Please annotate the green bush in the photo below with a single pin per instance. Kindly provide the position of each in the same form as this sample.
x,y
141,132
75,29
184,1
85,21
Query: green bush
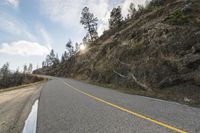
x,y
178,17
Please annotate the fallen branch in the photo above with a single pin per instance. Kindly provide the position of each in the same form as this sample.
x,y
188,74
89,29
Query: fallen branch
x,y
123,63
121,75
139,83
134,78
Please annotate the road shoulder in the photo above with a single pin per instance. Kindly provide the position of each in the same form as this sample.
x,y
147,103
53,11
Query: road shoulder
x,y
15,106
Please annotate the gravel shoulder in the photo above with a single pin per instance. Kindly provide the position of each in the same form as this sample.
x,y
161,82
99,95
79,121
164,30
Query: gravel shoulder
x,y
15,106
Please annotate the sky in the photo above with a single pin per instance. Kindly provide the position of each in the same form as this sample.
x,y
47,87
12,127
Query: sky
x,y
29,29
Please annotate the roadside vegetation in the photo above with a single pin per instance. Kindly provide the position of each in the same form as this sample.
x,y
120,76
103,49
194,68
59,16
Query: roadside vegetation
x,y
154,49
11,79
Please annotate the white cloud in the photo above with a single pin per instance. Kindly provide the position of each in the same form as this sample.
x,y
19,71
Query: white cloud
x,y
15,27
65,12
46,37
104,25
100,8
14,3
126,3
68,12
20,31
23,48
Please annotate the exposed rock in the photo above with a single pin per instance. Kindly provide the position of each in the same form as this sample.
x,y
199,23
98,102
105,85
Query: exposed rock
x,y
196,48
186,99
191,61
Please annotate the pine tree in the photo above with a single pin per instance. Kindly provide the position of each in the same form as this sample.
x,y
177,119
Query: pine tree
x,y
115,18
62,58
132,11
43,64
66,56
141,8
90,23
50,58
5,75
30,68
77,46
25,69
86,40
70,48
56,61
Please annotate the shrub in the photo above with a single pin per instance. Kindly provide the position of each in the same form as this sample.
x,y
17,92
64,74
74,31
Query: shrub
x,y
187,7
178,17
154,3
15,79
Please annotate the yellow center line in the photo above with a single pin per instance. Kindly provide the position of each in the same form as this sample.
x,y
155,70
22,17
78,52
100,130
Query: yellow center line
x,y
129,111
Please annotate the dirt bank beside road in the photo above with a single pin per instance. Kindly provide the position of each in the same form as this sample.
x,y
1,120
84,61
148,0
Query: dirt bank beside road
x,y
15,106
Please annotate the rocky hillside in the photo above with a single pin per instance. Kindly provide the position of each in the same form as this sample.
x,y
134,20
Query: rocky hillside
x,y
158,50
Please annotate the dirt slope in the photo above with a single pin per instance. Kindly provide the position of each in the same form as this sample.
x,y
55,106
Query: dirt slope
x,y
15,106
156,51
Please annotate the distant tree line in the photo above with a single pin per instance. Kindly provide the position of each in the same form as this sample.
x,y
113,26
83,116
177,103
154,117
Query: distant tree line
x,y
10,79
52,59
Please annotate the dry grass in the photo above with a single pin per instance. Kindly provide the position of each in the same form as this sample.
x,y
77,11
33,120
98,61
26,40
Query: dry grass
x,y
170,94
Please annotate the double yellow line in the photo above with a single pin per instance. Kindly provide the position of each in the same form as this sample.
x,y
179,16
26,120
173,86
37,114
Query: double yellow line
x,y
128,111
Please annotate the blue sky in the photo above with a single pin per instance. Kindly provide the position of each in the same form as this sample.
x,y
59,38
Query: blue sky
x,y
29,29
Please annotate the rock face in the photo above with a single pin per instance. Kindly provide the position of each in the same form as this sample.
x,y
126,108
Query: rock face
x,y
156,50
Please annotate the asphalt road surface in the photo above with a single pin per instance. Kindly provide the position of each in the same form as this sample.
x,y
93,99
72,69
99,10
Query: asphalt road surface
x,y
70,106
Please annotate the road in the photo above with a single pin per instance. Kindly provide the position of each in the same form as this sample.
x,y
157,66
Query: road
x,y
70,106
